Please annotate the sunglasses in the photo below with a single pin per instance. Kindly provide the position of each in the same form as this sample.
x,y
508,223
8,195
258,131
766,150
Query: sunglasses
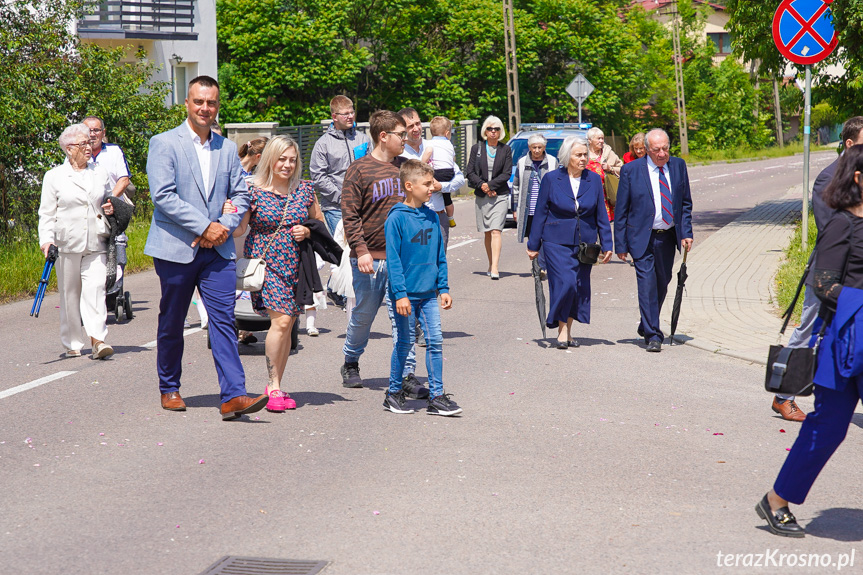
x,y
492,129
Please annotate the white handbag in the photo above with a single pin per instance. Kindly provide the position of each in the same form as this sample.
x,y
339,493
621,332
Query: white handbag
x,y
250,274
251,271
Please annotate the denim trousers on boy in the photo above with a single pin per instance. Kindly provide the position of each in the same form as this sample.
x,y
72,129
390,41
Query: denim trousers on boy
x,y
428,314
370,290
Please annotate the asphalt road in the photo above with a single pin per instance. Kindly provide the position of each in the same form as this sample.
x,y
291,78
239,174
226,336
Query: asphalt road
x,y
601,459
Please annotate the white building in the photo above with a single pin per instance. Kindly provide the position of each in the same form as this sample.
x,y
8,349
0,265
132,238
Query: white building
x,y
179,36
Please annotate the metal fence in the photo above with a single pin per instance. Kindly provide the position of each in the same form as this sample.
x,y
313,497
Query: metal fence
x,y
307,135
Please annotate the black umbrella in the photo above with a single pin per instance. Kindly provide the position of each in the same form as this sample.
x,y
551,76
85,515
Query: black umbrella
x,y
540,293
43,281
118,222
678,296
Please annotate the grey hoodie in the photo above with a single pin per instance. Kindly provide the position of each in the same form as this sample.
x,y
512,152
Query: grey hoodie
x,y
331,156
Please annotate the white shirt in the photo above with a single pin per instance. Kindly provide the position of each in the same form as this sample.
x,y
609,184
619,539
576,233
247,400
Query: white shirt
x,y
653,171
450,187
575,183
443,153
113,161
204,152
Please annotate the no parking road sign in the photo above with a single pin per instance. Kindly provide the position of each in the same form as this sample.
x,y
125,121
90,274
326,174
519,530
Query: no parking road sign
x,y
803,30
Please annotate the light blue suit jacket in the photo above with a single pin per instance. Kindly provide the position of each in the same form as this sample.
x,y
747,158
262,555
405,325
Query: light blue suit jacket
x,y
182,208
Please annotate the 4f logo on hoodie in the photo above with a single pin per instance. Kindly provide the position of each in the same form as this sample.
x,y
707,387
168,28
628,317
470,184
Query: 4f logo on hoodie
x,y
422,237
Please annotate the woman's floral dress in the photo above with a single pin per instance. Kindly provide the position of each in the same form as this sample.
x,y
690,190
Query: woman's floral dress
x,y
283,256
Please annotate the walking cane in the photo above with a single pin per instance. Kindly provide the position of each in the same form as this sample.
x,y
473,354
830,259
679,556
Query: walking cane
x,y
43,283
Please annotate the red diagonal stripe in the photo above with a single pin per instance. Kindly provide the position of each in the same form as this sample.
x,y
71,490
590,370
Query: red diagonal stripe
x,y
664,197
806,26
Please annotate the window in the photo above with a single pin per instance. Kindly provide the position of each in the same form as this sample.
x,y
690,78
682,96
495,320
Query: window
x,y
722,41
180,84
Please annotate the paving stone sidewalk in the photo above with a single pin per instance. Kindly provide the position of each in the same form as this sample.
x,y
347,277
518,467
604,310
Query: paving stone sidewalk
x,y
729,299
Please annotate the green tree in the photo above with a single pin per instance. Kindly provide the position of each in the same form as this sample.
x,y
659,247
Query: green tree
x,y
48,80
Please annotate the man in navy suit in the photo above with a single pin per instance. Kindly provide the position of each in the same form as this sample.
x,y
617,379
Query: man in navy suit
x,y
192,171
653,216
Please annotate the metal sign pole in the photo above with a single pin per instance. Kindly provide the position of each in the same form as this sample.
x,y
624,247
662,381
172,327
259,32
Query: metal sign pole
x,y
807,105
579,111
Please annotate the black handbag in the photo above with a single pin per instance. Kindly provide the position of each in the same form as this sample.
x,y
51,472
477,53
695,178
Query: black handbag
x,y
790,370
588,253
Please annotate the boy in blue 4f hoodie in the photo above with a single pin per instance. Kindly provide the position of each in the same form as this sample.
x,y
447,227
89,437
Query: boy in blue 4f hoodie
x,y
416,261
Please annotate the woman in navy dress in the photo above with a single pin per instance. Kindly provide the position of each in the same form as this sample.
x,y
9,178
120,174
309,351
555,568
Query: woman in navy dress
x,y
280,203
570,210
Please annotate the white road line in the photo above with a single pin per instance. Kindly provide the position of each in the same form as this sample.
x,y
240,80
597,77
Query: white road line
x,y
772,167
190,331
464,243
693,181
714,177
745,172
35,383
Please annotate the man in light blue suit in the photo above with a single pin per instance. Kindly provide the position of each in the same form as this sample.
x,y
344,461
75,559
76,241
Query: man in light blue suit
x,y
653,216
192,171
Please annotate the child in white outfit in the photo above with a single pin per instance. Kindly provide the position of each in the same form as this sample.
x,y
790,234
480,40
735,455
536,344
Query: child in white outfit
x,y
443,158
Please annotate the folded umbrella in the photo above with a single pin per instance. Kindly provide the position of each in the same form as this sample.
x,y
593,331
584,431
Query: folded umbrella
x,y
678,296
539,292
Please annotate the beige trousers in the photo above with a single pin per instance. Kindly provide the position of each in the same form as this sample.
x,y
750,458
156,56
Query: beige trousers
x,y
81,282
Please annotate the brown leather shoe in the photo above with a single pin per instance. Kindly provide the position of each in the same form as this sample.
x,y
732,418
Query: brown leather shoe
x,y
241,405
788,410
173,402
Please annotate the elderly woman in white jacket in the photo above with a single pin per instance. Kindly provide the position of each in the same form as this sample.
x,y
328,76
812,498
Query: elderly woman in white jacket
x,y
72,217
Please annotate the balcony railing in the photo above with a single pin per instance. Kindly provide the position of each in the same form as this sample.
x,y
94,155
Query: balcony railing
x,y
153,19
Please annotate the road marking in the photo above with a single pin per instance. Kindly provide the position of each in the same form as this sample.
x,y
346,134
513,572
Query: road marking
x,y
714,177
795,164
745,172
772,167
693,181
464,243
35,383
190,331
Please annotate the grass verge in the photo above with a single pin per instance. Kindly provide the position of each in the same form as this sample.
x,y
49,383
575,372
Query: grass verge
x,y
748,154
21,263
792,268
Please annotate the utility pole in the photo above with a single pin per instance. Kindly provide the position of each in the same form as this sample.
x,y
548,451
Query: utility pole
x,y
512,99
678,80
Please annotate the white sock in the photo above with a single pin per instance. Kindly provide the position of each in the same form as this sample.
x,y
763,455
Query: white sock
x,y
311,314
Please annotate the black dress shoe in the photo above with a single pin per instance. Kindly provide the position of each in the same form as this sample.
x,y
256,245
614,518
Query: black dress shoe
x,y
562,345
782,522
655,345
573,343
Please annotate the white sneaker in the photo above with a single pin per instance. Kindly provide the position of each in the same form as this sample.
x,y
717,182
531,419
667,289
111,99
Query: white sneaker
x,y
312,331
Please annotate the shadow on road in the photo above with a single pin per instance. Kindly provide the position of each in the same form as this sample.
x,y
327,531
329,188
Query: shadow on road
x,y
317,398
711,221
838,523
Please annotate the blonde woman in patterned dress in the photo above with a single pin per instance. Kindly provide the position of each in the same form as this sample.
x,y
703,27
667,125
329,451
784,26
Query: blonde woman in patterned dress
x,y
280,202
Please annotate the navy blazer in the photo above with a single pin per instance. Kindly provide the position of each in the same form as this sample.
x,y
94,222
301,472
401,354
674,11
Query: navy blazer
x,y
554,219
635,210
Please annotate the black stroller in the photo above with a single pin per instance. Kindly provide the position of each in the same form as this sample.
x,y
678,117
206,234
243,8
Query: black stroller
x,y
117,299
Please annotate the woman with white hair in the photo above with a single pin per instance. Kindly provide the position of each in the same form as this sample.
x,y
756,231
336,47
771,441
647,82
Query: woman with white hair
x,y
602,160
72,217
280,203
488,170
569,211
529,171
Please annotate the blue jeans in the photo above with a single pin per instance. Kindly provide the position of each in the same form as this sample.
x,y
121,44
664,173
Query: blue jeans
x,y
370,290
331,218
428,314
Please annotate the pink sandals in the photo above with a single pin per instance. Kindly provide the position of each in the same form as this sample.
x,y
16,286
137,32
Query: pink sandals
x,y
279,400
